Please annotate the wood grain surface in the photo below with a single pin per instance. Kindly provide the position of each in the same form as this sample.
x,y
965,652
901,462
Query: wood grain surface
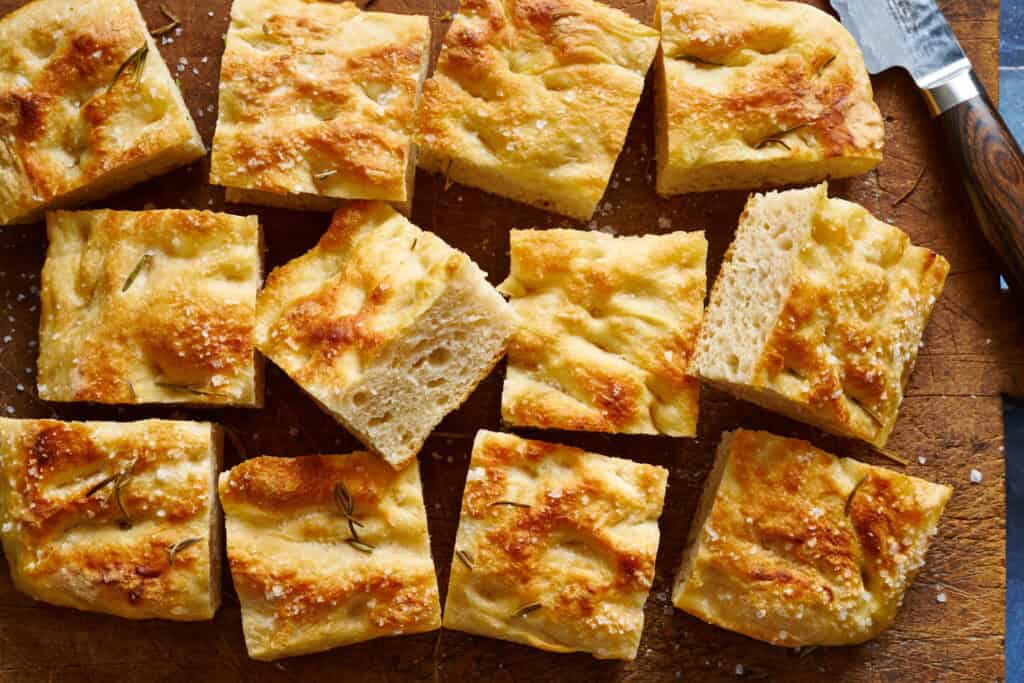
x,y
951,418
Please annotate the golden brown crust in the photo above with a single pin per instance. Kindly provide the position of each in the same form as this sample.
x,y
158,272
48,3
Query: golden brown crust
x,y
573,532
150,307
802,548
303,588
318,99
758,93
76,536
606,330
65,134
532,99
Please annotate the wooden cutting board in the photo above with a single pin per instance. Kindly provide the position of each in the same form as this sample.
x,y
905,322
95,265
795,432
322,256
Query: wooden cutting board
x,y
951,417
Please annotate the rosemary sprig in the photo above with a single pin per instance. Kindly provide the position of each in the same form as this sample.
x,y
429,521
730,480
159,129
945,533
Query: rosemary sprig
x,y
175,548
343,499
509,503
466,558
145,262
132,66
526,609
826,63
190,389
166,28
324,175
361,546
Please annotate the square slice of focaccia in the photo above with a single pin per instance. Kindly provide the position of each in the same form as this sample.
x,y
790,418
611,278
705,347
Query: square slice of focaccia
x,y
317,104
605,330
387,327
532,99
818,312
328,550
756,93
87,106
150,307
555,547
793,546
115,517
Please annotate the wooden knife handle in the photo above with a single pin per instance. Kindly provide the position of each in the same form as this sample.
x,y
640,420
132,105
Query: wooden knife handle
x,y
992,167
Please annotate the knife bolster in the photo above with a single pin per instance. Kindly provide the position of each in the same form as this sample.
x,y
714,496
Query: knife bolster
x,y
950,92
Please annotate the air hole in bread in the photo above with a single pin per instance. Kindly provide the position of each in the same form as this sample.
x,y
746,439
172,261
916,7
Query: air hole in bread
x,y
360,399
378,420
439,356
436,382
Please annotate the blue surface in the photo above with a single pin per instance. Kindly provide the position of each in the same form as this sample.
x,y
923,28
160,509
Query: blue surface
x,y
1011,103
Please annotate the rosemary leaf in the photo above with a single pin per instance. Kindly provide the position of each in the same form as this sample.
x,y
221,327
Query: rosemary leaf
x,y
526,609
414,243
509,503
849,499
145,262
132,66
344,499
805,651
361,546
827,62
447,175
95,488
267,31
447,16
895,457
167,28
175,548
466,558
771,141
906,195
119,483
324,175
191,389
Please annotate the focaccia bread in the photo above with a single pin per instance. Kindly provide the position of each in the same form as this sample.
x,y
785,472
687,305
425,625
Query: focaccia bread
x,y
387,327
87,106
606,328
317,104
307,577
818,312
150,307
758,93
555,547
115,517
793,546
532,99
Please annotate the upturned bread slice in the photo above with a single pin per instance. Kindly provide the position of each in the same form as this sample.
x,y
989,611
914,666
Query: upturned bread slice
x,y
818,312
387,327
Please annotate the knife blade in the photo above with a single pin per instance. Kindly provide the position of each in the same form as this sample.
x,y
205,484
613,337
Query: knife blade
x,y
932,52
915,36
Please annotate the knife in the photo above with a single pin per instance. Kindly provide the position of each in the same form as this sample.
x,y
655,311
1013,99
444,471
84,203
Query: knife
x,y
914,35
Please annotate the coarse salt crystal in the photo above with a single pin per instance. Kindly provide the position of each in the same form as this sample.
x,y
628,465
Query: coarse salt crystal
x,y
975,477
